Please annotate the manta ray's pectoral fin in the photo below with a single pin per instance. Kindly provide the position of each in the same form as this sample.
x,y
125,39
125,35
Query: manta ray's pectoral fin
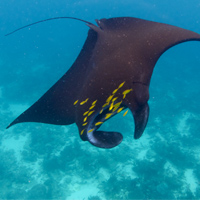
x,y
104,139
140,117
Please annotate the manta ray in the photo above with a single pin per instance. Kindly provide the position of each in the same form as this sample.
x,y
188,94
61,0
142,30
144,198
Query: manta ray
x,y
111,73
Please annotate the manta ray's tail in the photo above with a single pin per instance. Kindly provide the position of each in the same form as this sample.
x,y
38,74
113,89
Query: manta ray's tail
x,y
88,23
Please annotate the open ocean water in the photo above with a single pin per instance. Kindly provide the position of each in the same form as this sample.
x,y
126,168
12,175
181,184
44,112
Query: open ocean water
x,y
40,161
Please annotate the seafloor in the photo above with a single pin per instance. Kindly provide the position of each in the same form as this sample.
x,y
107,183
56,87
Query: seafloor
x,y
39,161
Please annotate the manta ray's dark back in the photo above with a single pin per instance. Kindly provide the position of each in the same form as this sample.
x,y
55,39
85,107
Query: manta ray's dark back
x,y
111,73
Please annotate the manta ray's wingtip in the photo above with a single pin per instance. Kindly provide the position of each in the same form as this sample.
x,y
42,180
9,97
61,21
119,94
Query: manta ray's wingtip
x,y
9,126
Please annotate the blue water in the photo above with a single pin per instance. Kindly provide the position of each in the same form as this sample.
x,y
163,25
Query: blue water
x,y
39,161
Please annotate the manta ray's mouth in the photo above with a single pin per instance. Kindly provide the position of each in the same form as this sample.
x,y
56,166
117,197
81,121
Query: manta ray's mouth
x,y
103,139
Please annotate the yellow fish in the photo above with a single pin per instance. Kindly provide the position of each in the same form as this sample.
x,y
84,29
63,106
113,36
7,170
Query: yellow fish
x,y
109,98
114,91
111,106
75,102
85,113
90,130
84,124
90,113
83,102
120,109
125,113
121,85
85,119
105,105
101,111
108,115
126,92
82,131
91,107
115,108
94,102
117,104
114,99
98,123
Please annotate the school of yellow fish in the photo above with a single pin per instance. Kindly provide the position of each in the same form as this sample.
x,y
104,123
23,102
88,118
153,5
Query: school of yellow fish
x,y
109,102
